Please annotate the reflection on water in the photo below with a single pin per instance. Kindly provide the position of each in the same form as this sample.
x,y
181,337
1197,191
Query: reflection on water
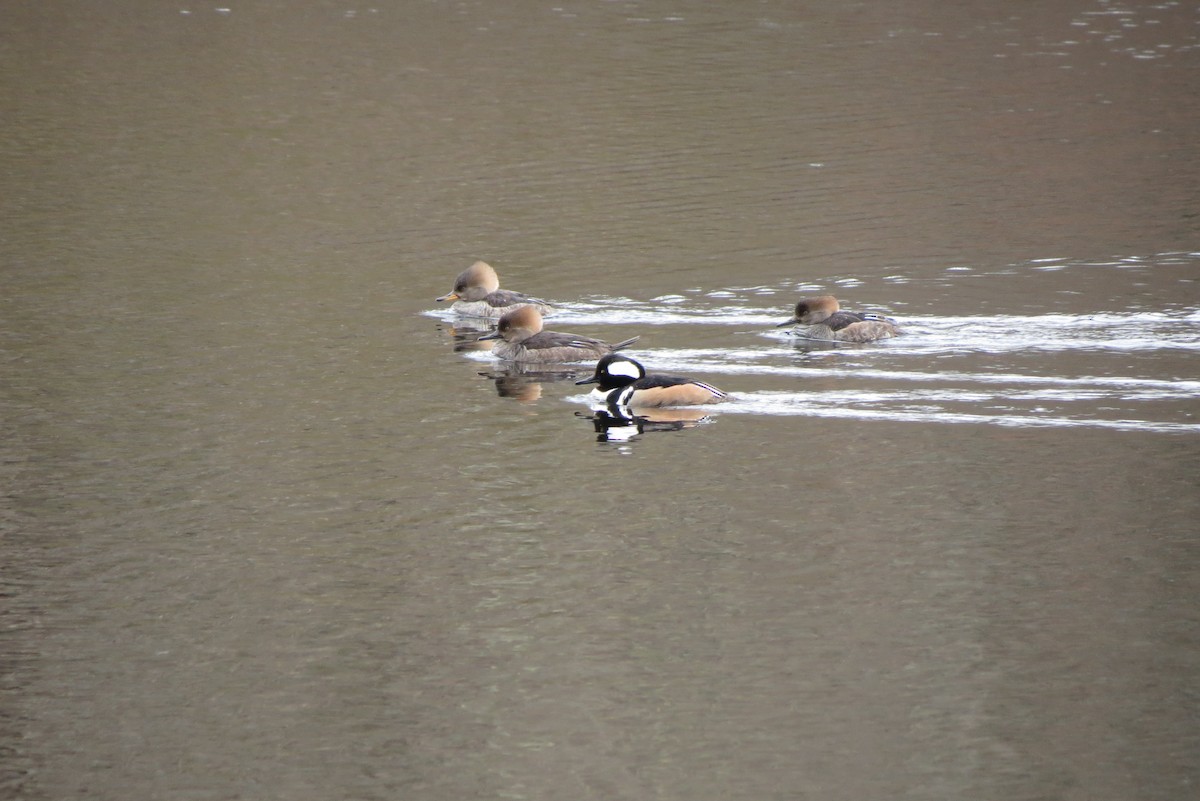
x,y
622,425
524,382
465,336
1137,30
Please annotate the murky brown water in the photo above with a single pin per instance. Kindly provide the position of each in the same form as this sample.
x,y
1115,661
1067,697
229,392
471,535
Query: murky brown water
x,y
269,535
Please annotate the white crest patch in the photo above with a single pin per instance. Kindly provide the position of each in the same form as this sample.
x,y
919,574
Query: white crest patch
x,y
625,368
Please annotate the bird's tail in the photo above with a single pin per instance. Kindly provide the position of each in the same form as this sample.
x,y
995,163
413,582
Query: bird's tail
x,y
625,343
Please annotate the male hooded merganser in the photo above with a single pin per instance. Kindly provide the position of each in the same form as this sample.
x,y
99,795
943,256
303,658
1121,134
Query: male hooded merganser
x,y
523,340
477,293
623,382
822,318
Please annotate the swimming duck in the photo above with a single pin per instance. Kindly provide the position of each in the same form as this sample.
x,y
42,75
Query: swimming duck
x,y
523,340
477,293
624,382
821,317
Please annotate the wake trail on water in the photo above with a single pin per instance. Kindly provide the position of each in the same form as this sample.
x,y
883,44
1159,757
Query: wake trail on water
x,y
872,385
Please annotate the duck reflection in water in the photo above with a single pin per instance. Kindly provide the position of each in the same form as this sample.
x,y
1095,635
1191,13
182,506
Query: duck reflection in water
x,y
617,424
524,382
465,337
821,318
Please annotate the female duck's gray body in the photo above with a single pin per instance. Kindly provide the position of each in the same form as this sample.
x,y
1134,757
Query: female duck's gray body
x,y
822,318
523,340
624,382
477,293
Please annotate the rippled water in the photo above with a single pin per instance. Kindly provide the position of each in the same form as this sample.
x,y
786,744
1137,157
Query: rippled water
x,y
274,527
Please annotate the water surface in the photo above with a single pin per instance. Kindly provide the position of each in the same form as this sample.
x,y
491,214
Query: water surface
x,y
273,528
